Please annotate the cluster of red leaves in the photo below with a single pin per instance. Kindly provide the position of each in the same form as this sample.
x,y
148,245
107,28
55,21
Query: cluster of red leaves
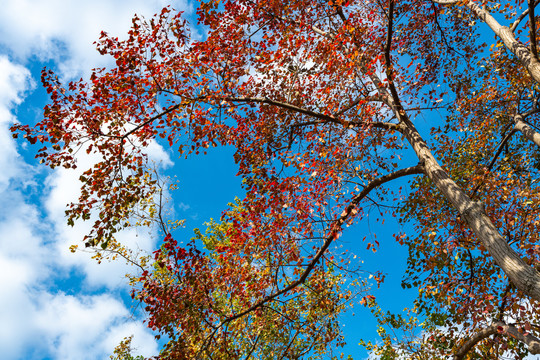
x,y
196,299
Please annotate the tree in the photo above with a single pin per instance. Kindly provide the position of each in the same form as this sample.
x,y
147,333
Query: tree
x,y
320,101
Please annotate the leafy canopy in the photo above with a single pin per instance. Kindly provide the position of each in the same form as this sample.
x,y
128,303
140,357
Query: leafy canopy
x,y
320,101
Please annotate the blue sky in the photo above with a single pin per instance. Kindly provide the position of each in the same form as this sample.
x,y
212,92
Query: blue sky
x,y
59,305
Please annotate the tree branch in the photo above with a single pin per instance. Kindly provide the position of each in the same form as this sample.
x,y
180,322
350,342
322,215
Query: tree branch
x,y
528,60
446,2
521,126
492,162
523,15
395,102
357,101
532,29
525,277
436,19
498,328
325,117
147,122
527,131
388,45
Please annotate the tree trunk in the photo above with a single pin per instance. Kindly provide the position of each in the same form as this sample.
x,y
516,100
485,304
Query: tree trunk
x,y
523,276
519,49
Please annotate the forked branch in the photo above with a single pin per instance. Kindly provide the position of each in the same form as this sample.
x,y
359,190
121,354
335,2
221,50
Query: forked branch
x,y
523,15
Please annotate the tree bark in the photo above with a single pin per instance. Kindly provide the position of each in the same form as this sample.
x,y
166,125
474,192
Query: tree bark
x,y
523,276
498,328
520,50
527,131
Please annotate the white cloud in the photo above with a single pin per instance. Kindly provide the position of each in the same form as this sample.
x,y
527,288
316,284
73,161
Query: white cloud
x,y
64,188
18,244
15,81
81,327
183,207
142,343
158,155
65,30
38,320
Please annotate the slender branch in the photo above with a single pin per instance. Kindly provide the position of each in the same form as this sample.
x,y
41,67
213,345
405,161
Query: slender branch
x,y
152,119
289,345
147,122
278,312
395,102
532,29
325,117
499,150
357,101
436,19
284,105
492,162
520,18
119,253
307,123
160,216
388,45
253,346
471,266
290,21
502,307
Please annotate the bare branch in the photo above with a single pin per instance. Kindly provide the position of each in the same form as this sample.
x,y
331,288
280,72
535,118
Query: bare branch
x,y
520,18
532,29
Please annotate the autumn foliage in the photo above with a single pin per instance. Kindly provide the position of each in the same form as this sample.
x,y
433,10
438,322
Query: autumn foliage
x,y
320,101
